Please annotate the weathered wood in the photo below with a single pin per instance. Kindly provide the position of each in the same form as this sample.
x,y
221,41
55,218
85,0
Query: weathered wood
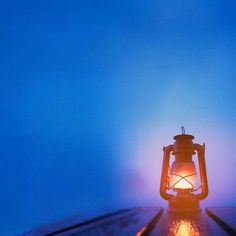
x,y
146,229
71,222
126,223
146,221
225,217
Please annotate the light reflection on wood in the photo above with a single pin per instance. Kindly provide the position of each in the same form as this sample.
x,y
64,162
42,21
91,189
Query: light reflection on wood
x,y
183,228
141,232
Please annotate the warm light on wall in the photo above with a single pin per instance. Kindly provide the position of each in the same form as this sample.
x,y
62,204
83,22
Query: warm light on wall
x,y
180,178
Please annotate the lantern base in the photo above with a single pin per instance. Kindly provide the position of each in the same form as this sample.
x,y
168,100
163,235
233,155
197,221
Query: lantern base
x,y
184,205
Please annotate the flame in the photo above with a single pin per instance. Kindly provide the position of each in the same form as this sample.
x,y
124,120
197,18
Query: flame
x,y
183,181
182,175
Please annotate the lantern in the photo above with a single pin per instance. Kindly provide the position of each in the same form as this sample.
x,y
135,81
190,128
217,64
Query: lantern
x,y
179,181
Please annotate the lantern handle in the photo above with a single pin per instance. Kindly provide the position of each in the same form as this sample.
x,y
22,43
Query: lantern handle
x,y
202,169
164,175
183,130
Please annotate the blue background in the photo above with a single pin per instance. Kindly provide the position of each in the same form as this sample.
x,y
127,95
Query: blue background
x,y
92,90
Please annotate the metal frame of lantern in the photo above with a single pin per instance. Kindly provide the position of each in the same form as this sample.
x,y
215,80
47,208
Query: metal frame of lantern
x,y
183,149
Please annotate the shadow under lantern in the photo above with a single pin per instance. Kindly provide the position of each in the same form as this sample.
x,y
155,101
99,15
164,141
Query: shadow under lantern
x,y
178,182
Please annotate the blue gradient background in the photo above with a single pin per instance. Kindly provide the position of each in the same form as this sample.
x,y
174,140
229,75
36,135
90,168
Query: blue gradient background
x,y
92,90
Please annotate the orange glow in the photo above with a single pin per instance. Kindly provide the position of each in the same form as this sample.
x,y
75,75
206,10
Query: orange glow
x,y
141,232
184,228
182,175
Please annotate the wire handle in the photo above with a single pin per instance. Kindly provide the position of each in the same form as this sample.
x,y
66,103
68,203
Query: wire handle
x,y
183,130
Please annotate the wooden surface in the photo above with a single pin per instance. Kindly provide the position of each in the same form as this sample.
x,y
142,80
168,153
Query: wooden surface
x,y
128,223
125,222
187,225
144,221
224,216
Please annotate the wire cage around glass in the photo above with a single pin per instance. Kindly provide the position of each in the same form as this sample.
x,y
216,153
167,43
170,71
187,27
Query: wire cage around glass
x,y
182,175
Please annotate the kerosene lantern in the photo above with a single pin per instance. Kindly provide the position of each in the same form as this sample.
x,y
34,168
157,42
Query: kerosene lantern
x,y
178,181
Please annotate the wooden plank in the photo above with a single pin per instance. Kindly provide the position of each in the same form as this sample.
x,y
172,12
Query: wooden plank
x,y
124,222
146,229
71,222
128,223
146,221
197,224
225,217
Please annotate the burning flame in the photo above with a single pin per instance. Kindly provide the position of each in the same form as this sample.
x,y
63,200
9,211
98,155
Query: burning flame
x,y
182,175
